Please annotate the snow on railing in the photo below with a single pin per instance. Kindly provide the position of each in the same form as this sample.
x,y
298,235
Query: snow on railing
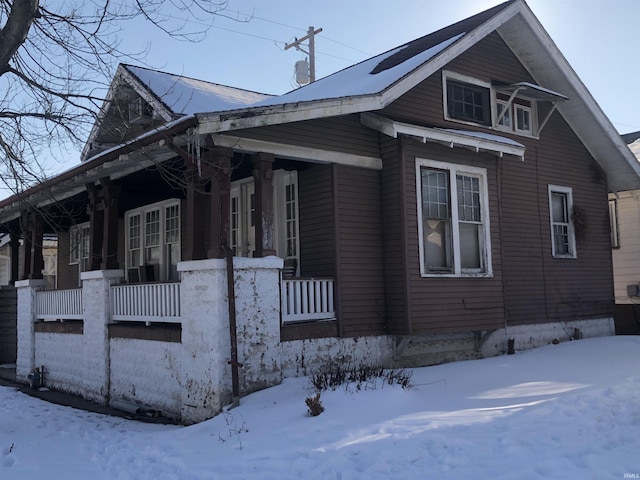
x,y
59,304
306,299
149,302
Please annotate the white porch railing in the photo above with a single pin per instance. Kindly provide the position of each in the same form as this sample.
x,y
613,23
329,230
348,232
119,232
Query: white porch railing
x,y
59,304
151,302
306,299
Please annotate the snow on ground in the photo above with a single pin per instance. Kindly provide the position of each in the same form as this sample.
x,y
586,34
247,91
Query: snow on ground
x,y
563,411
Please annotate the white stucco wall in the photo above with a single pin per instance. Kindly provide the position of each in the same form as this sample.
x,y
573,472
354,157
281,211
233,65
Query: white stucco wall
x,y
62,356
25,359
147,373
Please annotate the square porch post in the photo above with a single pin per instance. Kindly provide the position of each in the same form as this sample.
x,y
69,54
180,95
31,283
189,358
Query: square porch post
x,y
220,161
263,181
111,197
195,214
96,227
27,310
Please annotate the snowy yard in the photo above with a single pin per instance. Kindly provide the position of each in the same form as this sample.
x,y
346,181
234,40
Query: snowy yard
x,y
569,411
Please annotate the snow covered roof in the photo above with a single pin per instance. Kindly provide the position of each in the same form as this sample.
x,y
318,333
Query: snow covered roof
x,y
186,96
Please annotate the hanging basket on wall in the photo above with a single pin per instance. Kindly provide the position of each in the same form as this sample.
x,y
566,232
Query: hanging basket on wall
x,y
580,222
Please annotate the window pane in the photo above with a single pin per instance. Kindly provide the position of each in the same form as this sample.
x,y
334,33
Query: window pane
x,y
435,194
561,239
559,207
468,102
523,119
468,198
470,246
437,234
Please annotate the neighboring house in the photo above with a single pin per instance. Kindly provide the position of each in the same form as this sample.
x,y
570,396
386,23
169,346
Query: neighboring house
x,y
624,211
50,261
425,205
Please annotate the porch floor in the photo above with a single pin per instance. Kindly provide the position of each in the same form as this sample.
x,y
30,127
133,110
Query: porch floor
x,y
8,379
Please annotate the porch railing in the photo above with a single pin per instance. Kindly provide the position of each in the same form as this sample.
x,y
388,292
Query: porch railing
x,y
59,304
306,299
151,302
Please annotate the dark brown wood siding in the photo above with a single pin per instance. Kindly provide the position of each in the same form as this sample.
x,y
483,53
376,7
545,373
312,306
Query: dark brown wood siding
x,y
67,275
360,252
317,220
342,134
394,235
537,287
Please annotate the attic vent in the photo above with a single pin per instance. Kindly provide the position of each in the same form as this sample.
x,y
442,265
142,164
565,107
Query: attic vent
x,y
139,111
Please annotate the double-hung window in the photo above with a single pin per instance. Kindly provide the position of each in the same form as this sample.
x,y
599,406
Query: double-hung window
x,y
453,219
563,240
153,239
79,242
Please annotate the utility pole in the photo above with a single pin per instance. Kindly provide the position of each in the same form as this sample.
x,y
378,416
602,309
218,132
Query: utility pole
x,y
312,50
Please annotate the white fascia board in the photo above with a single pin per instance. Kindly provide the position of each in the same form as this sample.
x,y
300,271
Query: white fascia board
x,y
296,152
286,113
451,138
545,63
443,58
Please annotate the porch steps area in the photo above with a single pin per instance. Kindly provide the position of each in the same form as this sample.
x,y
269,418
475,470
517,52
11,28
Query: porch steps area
x,y
423,350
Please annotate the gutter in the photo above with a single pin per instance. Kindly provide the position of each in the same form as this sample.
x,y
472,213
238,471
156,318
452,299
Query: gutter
x,y
146,139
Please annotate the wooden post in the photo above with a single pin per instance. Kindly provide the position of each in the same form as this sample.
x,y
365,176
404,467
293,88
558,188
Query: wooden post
x,y
220,160
36,239
111,198
96,227
14,245
195,225
263,183
25,221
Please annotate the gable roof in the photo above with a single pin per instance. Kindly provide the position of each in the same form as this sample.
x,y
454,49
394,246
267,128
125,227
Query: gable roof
x,y
185,96
366,87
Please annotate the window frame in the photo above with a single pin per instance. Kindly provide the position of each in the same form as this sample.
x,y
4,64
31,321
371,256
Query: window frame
x,y
453,171
568,194
520,102
472,82
142,212
79,239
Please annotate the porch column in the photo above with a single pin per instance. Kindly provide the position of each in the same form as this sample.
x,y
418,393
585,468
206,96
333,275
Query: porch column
x,y
195,225
263,181
111,197
25,361
14,246
96,309
96,227
33,235
220,159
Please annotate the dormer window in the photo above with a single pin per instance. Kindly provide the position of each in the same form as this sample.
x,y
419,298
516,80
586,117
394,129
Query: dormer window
x,y
468,102
522,108
139,110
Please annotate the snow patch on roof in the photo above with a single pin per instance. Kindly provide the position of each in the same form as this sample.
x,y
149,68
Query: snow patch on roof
x,y
485,136
186,96
358,79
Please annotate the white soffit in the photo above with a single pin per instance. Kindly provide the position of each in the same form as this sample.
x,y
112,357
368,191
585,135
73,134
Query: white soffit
x,y
477,141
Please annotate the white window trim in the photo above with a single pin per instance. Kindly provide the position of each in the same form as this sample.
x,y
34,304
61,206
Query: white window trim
x,y
528,132
493,107
453,170
161,206
446,75
76,252
568,191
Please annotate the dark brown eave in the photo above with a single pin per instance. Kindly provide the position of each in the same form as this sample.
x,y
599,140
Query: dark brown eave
x,y
90,170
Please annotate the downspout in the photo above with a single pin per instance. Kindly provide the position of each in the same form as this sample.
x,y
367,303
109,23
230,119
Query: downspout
x,y
233,334
225,189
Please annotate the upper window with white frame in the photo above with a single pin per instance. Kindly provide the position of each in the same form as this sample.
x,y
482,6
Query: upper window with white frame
x,y
473,101
453,219
153,240
563,239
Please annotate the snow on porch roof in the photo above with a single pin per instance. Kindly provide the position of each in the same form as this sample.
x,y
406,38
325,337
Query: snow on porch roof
x,y
186,96
478,141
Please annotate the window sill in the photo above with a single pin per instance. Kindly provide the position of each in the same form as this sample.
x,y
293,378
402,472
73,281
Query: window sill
x,y
456,275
